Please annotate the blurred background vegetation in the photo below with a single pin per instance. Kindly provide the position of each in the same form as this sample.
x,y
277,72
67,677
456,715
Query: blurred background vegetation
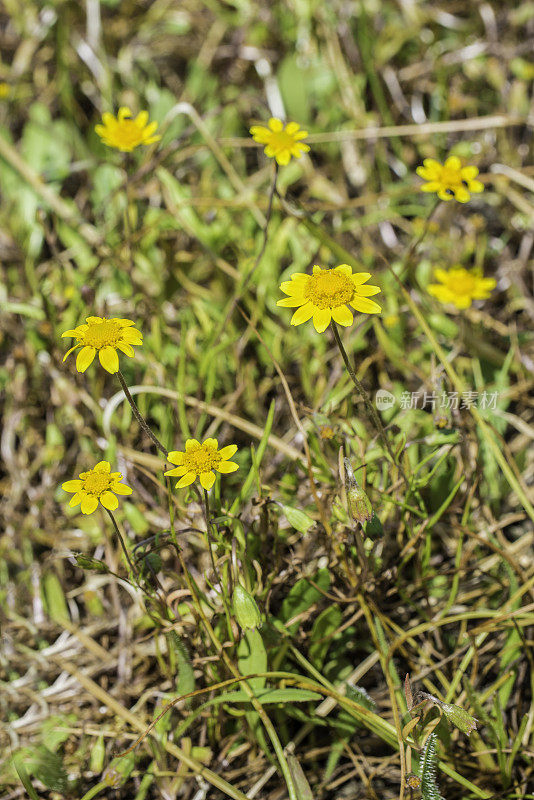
x,y
167,237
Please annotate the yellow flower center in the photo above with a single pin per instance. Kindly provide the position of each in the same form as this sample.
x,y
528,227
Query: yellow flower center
x,y
128,133
281,141
461,283
96,483
450,177
329,289
102,334
201,460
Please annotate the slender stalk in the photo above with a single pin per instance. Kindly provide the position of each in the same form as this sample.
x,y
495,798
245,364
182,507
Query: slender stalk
x,y
268,725
123,544
139,418
99,787
246,280
207,519
370,409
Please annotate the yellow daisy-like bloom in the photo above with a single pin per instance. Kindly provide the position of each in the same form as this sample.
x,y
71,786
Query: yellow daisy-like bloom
x,y
105,336
125,133
460,287
199,461
97,484
326,295
450,180
281,142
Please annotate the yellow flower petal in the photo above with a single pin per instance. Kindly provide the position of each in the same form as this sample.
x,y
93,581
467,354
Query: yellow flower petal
x,y
177,472
365,306
321,319
109,359
303,314
228,451
89,504
289,302
186,480
176,457
85,358
191,445
454,163
360,277
70,351
207,479
72,486
109,501
102,466
211,444
275,124
75,500
343,316
125,348
227,466
121,488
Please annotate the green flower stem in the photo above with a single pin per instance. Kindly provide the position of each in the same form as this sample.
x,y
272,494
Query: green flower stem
x,y
123,544
99,787
139,418
371,413
268,725
407,260
207,519
246,280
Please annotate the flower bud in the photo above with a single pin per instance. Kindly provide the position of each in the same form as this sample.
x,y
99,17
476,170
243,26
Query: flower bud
x,y
245,608
459,717
359,504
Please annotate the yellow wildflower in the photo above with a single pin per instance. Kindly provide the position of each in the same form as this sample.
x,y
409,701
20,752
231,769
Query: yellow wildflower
x,y
4,90
105,336
125,133
450,180
460,287
199,460
281,142
97,484
325,295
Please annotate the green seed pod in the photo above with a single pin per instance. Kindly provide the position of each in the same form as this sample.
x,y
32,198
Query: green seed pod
x,y
359,504
245,608
459,717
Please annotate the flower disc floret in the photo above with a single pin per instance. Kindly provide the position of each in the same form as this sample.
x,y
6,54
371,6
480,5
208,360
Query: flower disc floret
x,y
105,337
450,180
281,141
327,294
460,287
97,485
124,133
199,460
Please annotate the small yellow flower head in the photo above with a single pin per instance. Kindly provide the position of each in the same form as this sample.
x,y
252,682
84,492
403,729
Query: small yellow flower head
x,y
125,133
326,295
460,287
4,90
450,181
98,484
281,142
105,336
199,461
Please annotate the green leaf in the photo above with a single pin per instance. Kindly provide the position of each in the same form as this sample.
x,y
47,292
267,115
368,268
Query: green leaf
x,y
44,765
297,518
302,786
252,657
427,769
